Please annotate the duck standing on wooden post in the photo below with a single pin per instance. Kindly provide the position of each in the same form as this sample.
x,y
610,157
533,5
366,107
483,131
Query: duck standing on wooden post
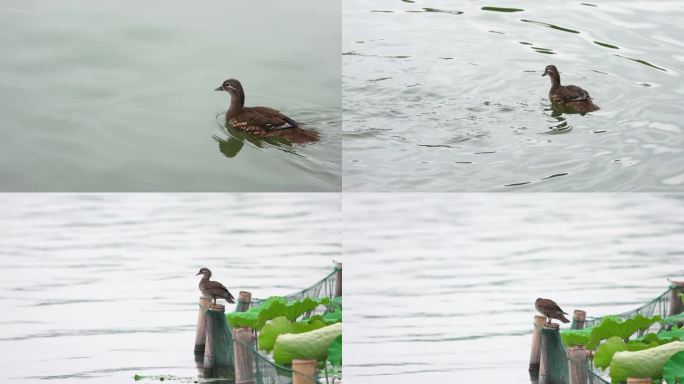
x,y
213,289
550,309
262,121
568,96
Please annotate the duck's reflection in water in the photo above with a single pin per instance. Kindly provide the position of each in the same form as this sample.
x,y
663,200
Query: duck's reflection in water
x,y
234,140
559,123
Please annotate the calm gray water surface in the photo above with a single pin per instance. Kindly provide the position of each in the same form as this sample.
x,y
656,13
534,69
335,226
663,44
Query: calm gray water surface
x,y
443,95
119,96
97,288
444,285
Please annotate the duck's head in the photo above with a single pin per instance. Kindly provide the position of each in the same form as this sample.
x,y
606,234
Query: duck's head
x,y
552,71
204,272
234,88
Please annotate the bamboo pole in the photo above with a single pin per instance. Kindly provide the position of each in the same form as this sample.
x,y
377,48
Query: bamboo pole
x,y
338,280
201,334
639,380
244,301
578,319
535,354
242,352
676,305
303,371
209,358
577,357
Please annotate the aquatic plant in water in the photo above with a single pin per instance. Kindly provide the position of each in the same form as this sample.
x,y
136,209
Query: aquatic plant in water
x,y
644,356
256,317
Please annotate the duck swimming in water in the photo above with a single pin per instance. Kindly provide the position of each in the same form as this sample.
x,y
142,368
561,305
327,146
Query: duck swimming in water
x,y
568,96
262,121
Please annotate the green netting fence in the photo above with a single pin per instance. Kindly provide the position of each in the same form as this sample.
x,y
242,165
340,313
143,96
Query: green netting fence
x,y
558,354
265,370
323,288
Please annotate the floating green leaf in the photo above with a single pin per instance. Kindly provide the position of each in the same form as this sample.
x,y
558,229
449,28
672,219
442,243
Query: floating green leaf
x,y
610,326
271,308
679,318
646,363
281,325
309,345
335,352
673,371
673,334
605,351
576,336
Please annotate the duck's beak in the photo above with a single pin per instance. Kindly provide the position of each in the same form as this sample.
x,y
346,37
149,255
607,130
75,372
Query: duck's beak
x,y
543,74
218,89
198,272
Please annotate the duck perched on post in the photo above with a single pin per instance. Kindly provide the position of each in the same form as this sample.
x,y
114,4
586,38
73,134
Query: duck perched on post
x,y
213,289
550,309
570,96
262,121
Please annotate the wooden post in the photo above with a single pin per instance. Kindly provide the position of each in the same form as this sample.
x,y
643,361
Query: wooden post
x,y
201,335
242,352
303,371
578,319
244,300
209,358
578,356
676,305
639,380
535,356
338,280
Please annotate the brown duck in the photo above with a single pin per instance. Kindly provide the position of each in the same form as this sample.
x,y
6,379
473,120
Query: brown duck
x,y
570,96
550,309
213,289
262,121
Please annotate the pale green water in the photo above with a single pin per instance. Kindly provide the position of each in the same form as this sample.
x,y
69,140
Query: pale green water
x,y
119,96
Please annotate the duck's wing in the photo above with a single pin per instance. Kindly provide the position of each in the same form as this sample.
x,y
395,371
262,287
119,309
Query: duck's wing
x,y
550,305
216,288
575,93
269,118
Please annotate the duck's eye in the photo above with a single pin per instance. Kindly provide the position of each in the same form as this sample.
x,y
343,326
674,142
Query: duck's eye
x,y
226,85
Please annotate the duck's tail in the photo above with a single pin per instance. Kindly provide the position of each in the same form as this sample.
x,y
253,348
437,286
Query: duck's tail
x,y
297,135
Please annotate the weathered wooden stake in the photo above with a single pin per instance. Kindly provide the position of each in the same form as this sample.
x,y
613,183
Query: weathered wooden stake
x,y
244,300
535,356
209,358
578,319
303,371
578,356
676,305
338,280
242,352
639,380
201,335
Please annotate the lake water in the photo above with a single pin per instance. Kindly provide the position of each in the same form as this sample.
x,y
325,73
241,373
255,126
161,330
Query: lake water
x,y
98,288
444,285
445,95
119,96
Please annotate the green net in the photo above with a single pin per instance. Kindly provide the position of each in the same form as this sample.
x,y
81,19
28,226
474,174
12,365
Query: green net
x,y
218,358
658,306
555,358
265,370
323,288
